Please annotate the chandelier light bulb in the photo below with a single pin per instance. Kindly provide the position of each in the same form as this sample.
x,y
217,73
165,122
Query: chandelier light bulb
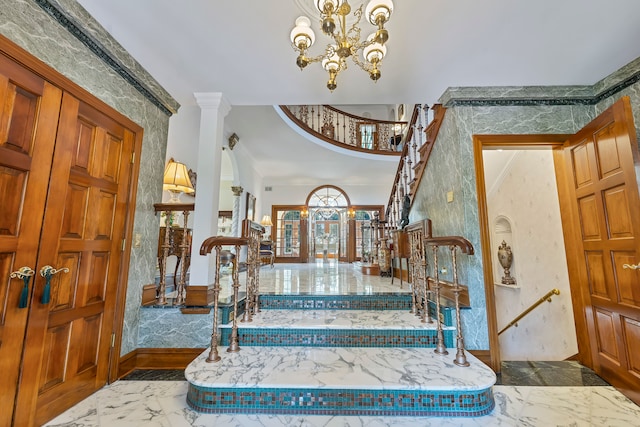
x,y
379,11
302,36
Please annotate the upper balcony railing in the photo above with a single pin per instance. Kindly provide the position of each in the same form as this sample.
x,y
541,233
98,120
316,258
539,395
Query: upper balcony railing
x,y
348,130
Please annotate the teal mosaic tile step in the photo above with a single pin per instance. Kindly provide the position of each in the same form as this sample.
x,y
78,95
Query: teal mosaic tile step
x,y
323,337
395,301
309,401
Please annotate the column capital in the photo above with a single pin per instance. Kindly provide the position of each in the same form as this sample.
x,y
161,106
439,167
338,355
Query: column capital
x,y
237,190
212,100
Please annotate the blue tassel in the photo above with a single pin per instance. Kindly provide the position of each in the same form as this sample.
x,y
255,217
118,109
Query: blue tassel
x,y
46,294
24,295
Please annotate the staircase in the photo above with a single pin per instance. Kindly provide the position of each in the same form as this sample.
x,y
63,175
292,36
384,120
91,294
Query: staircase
x,y
335,349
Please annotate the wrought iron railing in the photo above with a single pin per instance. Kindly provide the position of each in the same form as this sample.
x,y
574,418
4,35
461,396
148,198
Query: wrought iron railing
x,y
348,130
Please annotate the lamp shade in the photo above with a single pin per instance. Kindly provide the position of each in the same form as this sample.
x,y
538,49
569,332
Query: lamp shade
x,y
266,221
176,178
378,7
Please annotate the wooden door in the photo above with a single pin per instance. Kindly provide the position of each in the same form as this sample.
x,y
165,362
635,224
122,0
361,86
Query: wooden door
x,y
68,341
27,103
603,219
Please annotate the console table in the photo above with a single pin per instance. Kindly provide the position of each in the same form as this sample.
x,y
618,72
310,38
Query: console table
x,y
174,241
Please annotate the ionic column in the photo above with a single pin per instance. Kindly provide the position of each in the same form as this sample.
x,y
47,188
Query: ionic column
x,y
213,109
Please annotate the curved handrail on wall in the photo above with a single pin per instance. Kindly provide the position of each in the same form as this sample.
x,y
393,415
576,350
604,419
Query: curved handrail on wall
x,y
546,297
345,130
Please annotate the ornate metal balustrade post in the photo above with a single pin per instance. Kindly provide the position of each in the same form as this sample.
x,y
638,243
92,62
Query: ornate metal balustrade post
x,y
215,244
440,347
213,352
461,358
233,344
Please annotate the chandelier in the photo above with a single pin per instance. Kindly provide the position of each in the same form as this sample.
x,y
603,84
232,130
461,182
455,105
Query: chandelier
x,y
346,40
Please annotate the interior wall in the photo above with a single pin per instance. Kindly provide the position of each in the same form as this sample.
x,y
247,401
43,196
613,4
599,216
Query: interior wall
x,y
526,195
451,168
28,25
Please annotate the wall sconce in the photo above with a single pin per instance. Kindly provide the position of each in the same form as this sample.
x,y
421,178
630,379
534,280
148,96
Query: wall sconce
x,y
176,180
304,213
351,213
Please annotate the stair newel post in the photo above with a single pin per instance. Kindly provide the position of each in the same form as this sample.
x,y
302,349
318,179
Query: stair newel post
x,y
414,256
234,347
255,246
440,347
251,273
213,353
461,358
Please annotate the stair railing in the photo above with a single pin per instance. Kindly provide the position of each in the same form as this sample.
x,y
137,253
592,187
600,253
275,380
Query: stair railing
x,y
419,143
454,243
348,130
251,235
416,234
546,297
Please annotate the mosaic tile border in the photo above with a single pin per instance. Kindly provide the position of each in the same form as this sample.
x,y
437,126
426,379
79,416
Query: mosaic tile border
x,y
335,302
440,403
272,337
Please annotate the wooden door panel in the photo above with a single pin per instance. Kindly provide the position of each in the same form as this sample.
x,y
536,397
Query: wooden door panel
x,y
607,151
588,212
603,192
103,205
17,125
618,217
27,103
12,185
595,269
96,288
75,211
605,329
631,330
55,347
582,174
64,286
628,289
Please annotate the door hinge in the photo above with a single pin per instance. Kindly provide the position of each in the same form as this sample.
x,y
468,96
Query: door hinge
x,y
113,339
124,243
133,158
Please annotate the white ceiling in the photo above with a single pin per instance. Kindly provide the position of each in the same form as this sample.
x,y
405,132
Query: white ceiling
x,y
241,48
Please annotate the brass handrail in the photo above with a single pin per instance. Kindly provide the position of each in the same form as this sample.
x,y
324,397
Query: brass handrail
x,y
547,297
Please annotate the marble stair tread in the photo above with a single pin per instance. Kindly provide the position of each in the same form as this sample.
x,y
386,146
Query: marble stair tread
x,y
339,368
336,319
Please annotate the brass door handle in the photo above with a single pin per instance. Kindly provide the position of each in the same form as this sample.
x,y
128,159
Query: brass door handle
x,y
47,271
25,274
631,266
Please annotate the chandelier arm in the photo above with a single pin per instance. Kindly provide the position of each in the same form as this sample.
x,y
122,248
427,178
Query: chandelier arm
x,y
365,66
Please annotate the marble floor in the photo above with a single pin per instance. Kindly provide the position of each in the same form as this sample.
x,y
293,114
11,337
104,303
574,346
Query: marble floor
x,y
526,393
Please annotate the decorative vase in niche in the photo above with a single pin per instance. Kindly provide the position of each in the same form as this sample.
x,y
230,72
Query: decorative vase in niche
x,y
505,256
